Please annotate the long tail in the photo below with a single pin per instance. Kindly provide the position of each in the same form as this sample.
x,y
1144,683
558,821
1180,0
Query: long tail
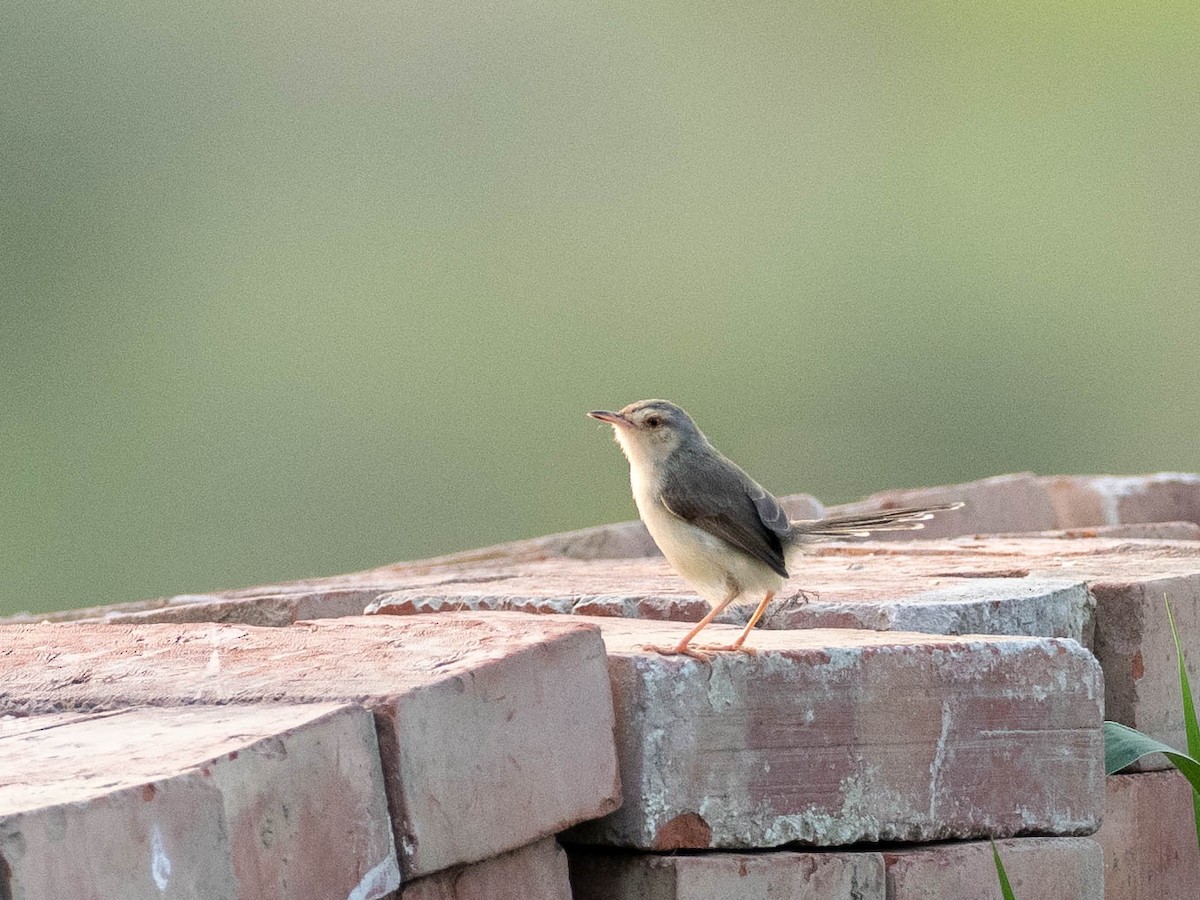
x,y
864,524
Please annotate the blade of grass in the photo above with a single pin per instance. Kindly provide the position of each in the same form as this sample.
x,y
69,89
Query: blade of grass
x,y
1189,712
1005,887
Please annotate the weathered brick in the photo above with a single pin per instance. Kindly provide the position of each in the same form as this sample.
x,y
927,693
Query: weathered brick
x,y
1016,503
831,737
517,707
1139,531
271,610
1149,838
535,872
1081,500
1134,644
1106,593
1038,867
847,587
783,874
202,802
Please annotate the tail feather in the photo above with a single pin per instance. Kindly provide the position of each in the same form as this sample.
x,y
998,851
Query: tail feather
x,y
864,524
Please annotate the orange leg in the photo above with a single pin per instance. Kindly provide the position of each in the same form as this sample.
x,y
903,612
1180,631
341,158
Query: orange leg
x,y
682,647
741,638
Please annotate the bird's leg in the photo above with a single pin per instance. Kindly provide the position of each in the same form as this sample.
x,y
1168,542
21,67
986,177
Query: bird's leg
x,y
682,647
741,638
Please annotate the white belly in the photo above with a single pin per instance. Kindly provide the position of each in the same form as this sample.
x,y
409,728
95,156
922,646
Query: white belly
x,y
710,565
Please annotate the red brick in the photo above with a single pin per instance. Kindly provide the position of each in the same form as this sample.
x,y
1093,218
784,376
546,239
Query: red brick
x,y
1106,593
1004,503
832,737
518,707
1081,500
603,875
197,802
1149,838
1139,531
1038,868
535,872
1134,644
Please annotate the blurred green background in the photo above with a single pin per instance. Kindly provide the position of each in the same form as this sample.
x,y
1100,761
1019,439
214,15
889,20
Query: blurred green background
x,y
298,289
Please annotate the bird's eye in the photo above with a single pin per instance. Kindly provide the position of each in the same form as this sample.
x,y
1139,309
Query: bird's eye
x,y
653,421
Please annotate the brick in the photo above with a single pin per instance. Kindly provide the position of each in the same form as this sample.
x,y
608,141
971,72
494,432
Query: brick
x,y
266,610
1004,503
1134,643
535,872
1046,607
831,737
1142,531
643,588
943,588
197,802
783,874
1037,867
1149,837
1082,500
1051,607
517,707
1106,593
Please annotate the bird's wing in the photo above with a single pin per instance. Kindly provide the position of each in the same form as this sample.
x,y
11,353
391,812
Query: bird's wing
x,y
720,498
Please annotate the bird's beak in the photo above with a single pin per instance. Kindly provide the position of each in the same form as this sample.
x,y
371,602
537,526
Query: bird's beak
x,y
611,418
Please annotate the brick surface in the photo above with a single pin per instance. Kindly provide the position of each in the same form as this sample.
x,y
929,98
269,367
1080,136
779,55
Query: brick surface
x,y
847,586
782,875
1037,867
1081,500
831,737
1106,593
204,802
536,872
518,707
1142,531
1149,838
1004,503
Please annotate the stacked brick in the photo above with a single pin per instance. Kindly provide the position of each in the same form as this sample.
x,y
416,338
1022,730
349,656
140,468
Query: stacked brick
x,y
331,759
517,739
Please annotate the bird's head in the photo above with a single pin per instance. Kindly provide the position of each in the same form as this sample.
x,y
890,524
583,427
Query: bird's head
x,y
649,431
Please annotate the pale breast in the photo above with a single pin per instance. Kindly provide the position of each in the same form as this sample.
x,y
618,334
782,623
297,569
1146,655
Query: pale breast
x,y
705,561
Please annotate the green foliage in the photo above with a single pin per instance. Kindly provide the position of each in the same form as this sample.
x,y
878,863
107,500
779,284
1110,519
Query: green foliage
x,y
1005,887
1189,713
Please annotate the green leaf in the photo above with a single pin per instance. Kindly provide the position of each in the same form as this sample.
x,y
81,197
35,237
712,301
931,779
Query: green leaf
x,y
1123,746
1005,887
1189,712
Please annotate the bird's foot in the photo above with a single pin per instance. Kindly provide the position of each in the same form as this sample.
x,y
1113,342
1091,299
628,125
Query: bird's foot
x,y
729,648
677,650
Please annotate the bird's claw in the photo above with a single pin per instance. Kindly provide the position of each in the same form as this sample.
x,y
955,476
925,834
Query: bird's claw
x,y
678,650
702,652
729,648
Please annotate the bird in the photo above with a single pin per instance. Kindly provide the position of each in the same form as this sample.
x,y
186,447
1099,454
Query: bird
x,y
718,528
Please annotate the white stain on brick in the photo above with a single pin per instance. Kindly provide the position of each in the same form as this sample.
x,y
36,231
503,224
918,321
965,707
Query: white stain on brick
x,y
214,663
382,879
939,757
722,692
160,863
